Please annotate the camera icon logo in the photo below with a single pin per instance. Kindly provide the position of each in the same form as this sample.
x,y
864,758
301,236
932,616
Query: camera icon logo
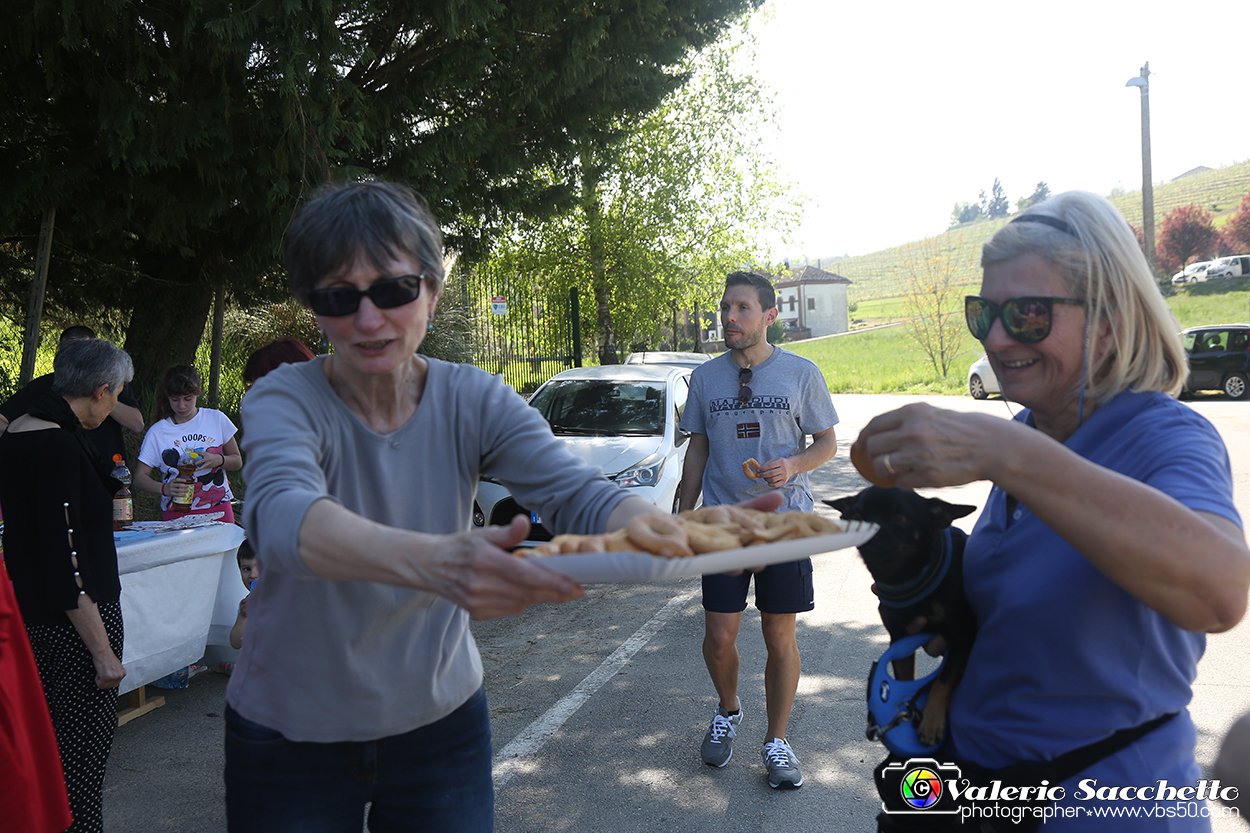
x,y
921,788
919,785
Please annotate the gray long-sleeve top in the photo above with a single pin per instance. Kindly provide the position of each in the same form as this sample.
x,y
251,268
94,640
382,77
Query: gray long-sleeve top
x,y
350,661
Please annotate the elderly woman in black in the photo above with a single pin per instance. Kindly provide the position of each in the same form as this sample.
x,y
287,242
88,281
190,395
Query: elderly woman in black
x,y
58,545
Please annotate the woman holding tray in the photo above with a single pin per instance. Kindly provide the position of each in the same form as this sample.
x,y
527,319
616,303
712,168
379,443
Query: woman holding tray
x,y
360,682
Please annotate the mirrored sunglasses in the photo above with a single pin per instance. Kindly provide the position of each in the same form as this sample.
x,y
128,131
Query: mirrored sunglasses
x,y
386,293
1026,319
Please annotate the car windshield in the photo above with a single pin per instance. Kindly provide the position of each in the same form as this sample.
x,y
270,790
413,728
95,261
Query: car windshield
x,y
597,407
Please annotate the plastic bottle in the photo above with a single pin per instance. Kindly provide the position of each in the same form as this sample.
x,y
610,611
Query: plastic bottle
x,y
182,487
123,501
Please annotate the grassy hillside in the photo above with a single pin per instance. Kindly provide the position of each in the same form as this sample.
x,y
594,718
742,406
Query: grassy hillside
x,y
879,275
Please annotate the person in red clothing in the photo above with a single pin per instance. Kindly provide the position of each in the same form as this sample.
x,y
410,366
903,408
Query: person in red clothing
x,y
32,785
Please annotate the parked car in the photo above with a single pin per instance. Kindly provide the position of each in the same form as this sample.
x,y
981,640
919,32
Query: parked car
x,y
981,379
1219,359
1193,272
674,359
1229,267
622,418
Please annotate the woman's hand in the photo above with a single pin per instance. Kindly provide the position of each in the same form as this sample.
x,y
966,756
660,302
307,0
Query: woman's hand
x,y
489,582
1191,567
108,669
919,445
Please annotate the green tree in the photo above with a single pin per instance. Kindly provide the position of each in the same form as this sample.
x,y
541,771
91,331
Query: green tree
x,y
175,140
1040,194
931,297
966,212
665,212
998,206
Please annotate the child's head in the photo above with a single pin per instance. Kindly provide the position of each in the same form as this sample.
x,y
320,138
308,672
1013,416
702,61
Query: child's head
x,y
177,394
248,569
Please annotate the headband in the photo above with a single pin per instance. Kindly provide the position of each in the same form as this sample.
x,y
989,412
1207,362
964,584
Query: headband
x,y
1053,222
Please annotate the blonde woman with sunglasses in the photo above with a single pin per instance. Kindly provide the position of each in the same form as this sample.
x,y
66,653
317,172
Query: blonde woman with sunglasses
x,y
1109,545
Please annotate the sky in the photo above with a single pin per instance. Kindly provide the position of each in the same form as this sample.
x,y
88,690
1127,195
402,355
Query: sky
x,y
891,112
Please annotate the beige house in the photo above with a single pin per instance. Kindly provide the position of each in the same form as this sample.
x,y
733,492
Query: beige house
x,y
812,302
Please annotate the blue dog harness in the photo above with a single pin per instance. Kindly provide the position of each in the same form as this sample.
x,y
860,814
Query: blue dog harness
x,y
895,706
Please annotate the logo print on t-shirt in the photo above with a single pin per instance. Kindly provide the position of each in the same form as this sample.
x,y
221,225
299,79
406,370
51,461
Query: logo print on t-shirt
x,y
748,430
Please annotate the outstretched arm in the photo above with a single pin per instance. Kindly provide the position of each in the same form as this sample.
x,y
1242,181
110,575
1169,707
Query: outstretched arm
x,y
469,568
1190,566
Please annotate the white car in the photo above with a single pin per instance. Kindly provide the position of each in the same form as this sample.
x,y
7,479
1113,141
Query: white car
x,y
981,379
622,419
675,359
1193,273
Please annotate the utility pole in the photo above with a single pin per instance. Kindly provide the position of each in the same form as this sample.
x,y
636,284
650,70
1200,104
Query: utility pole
x,y
1147,186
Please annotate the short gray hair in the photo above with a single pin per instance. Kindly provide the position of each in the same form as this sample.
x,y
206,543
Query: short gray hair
x,y
374,219
83,364
1093,247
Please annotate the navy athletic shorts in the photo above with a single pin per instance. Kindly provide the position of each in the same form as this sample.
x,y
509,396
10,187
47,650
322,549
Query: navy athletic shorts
x,y
779,588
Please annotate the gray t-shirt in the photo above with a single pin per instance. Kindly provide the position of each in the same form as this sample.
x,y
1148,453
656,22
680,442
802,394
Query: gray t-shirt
x,y
351,661
791,401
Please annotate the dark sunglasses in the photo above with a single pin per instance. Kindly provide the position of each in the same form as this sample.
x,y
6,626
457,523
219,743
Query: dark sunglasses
x,y
744,378
386,293
1026,320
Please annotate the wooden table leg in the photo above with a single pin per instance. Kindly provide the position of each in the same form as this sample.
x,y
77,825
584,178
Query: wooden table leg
x,y
137,703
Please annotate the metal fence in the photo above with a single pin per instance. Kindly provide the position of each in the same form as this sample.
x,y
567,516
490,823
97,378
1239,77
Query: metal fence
x,y
525,333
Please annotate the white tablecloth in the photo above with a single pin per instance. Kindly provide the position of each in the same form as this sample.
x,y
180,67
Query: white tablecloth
x,y
180,593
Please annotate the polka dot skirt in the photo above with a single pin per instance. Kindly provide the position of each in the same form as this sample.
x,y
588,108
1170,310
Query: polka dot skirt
x,y
83,716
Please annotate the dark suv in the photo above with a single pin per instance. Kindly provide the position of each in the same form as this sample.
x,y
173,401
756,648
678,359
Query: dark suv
x,y
1219,359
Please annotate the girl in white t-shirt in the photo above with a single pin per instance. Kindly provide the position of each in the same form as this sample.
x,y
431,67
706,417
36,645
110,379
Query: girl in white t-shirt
x,y
180,425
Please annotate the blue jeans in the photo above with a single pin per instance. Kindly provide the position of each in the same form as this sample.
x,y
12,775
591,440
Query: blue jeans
x,y
435,778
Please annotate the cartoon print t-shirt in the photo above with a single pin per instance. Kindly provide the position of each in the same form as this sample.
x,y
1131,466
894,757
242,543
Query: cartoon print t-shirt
x,y
208,431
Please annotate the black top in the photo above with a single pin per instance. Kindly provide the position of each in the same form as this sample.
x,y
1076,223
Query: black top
x,y
40,472
107,439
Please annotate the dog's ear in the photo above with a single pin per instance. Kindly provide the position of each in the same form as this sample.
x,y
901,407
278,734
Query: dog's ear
x,y
842,504
945,513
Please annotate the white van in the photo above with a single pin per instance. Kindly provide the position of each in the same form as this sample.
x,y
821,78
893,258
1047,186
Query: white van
x,y
1229,267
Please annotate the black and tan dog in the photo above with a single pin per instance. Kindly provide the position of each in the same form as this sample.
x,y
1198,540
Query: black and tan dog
x,y
916,561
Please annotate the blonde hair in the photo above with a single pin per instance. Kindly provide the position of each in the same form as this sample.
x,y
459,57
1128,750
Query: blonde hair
x,y
1103,265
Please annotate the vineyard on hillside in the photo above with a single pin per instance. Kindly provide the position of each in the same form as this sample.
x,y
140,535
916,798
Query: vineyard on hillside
x,y
884,274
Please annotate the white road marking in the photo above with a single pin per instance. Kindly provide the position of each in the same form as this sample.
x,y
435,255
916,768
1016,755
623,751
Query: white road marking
x,y
512,758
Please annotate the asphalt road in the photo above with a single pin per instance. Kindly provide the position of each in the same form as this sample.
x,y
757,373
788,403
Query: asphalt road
x,y
598,706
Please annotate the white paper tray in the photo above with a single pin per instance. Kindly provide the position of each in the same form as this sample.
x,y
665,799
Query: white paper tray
x,y
598,567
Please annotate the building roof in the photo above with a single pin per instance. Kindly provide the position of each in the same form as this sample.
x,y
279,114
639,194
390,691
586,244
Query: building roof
x,y
810,275
1201,169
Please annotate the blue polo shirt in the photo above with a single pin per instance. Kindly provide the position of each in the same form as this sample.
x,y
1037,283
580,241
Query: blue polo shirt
x,y
1063,656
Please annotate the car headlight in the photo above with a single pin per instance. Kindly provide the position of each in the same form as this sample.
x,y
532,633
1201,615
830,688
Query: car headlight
x,y
646,473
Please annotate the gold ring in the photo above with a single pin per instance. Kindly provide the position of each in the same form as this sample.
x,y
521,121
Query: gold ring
x,y
885,461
